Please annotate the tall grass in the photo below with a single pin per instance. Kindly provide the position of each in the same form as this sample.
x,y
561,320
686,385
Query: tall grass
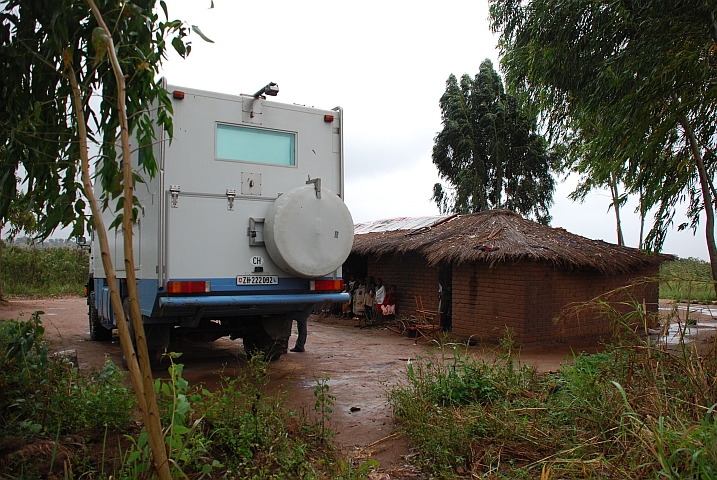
x,y
43,396
633,411
44,271
57,422
687,279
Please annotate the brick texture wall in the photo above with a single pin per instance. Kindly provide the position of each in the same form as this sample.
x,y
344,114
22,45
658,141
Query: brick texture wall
x,y
528,296
412,276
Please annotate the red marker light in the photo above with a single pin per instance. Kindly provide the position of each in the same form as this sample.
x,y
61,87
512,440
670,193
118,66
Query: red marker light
x,y
194,286
328,118
178,94
326,285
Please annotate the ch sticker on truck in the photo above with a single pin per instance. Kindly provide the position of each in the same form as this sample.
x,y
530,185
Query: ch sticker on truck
x,y
257,280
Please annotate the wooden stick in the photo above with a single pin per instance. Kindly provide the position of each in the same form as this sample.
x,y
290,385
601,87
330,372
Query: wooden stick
x,y
383,439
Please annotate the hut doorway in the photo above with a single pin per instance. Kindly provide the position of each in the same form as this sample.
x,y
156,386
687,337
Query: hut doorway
x,y
445,295
356,267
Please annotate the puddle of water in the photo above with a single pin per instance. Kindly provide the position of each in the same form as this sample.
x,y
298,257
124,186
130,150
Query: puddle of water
x,y
710,310
333,382
702,322
689,333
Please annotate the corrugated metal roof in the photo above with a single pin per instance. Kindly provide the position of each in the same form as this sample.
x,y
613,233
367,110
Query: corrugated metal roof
x,y
393,224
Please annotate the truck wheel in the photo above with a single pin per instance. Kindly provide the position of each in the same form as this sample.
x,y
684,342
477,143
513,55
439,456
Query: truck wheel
x,y
259,342
157,337
154,353
157,343
98,332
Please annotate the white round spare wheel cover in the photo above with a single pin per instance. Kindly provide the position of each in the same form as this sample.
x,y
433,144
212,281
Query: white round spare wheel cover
x,y
308,236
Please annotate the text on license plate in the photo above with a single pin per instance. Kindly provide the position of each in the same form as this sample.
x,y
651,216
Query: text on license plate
x,y
257,280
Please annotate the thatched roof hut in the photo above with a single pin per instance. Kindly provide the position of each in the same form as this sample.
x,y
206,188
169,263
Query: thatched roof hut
x,y
463,239
494,259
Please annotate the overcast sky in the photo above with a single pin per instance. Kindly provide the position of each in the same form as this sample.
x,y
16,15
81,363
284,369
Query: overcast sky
x,y
386,63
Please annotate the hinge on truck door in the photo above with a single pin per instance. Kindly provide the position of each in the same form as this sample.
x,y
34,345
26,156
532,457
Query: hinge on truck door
x,y
255,231
317,185
174,192
231,193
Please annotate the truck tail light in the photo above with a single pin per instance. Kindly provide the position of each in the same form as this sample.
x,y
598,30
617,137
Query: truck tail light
x,y
194,286
178,94
328,118
326,285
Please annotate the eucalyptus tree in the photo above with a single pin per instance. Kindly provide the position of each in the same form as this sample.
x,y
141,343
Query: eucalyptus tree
x,y
647,70
489,150
52,60
594,172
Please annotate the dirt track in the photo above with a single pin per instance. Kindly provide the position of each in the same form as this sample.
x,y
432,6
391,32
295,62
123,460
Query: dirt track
x,y
361,363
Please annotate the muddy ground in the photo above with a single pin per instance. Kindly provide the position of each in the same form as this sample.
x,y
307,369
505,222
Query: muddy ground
x,y
362,365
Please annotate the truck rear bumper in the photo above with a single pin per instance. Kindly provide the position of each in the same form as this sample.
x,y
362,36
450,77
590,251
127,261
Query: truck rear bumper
x,y
229,300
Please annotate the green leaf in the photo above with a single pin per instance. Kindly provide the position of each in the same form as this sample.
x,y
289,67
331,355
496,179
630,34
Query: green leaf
x,y
179,46
196,30
134,456
181,430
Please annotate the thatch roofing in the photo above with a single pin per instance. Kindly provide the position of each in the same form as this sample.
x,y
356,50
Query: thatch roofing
x,y
472,238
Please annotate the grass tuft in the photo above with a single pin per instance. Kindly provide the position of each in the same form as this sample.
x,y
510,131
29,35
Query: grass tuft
x,y
633,411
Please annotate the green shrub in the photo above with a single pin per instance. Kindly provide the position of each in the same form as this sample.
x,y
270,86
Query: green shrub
x,y
43,396
44,271
630,412
256,436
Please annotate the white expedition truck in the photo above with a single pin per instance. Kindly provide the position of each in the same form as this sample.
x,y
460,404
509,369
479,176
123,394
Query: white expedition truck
x,y
242,230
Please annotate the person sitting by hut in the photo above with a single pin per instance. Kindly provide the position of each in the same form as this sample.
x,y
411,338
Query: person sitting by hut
x,y
358,299
390,301
368,299
347,306
379,297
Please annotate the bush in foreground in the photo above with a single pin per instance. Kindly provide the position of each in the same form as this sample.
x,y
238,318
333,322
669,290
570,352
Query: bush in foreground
x,y
56,422
633,411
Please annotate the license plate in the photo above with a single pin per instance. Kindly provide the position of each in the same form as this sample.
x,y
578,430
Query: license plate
x,y
257,280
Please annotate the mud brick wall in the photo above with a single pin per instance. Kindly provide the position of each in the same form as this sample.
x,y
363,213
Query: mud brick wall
x,y
412,275
527,296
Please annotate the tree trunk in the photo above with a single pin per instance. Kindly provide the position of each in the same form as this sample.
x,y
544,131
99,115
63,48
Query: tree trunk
x,y
153,425
616,207
707,198
115,299
643,213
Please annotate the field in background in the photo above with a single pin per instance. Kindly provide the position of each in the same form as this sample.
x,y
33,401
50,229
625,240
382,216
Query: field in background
x,y
44,271
687,279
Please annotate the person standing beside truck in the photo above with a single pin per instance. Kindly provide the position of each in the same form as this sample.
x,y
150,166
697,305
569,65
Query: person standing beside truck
x,y
301,339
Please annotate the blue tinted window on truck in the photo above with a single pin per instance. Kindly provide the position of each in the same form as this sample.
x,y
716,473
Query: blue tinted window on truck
x,y
244,144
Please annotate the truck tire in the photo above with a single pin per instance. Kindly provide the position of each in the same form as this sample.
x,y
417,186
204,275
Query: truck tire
x,y
157,336
98,332
259,342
